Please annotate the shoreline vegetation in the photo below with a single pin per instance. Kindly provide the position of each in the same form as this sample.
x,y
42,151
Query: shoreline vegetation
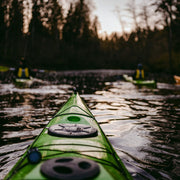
x,y
49,38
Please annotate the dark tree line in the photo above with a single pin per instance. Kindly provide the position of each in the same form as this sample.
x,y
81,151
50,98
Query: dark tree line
x,y
47,37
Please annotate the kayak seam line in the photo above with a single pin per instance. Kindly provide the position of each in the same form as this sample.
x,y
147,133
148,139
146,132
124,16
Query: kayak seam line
x,y
120,164
79,152
75,145
17,167
100,161
74,106
75,114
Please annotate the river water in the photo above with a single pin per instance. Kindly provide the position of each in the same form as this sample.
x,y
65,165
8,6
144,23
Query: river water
x,y
142,123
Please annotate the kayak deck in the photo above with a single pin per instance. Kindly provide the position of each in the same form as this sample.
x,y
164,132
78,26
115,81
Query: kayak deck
x,y
72,136
25,83
139,82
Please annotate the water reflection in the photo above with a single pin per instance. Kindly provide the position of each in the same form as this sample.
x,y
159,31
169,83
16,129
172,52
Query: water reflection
x,y
141,123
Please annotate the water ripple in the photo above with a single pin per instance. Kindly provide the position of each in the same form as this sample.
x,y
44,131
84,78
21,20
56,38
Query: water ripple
x,y
141,123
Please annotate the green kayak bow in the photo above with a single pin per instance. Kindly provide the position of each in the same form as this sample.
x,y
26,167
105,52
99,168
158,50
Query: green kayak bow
x,y
71,147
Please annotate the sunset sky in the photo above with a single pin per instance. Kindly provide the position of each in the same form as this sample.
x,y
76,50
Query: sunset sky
x,y
109,11
107,15
106,10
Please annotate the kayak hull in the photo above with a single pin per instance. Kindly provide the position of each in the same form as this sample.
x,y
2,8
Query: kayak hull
x,y
4,68
177,79
144,82
24,83
76,119
140,82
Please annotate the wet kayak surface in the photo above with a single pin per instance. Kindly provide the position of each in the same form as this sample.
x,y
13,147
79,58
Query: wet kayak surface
x,y
141,123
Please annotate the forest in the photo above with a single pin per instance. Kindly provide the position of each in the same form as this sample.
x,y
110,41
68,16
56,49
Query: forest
x,y
50,36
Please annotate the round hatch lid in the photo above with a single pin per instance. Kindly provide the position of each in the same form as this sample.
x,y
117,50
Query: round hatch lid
x,y
70,168
72,130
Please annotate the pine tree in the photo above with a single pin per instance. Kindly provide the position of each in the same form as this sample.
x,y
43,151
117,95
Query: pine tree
x,y
77,23
168,9
3,26
55,18
16,23
15,28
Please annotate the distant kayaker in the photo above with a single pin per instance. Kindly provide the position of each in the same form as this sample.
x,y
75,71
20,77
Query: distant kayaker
x,y
23,71
139,73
